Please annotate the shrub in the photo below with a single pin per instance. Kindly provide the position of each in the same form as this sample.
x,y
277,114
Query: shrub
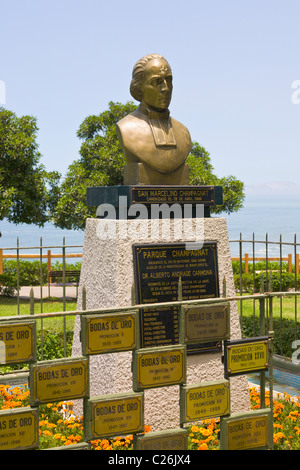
x,y
284,333
276,282
29,274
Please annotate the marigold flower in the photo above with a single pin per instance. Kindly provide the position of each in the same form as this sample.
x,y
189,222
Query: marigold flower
x,y
276,425
278,436
205,432
194,428
203,447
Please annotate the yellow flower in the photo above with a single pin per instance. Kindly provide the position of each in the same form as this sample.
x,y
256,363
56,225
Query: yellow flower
x,y
194,428
206,432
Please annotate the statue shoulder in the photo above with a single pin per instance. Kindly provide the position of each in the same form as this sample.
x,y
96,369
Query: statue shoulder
x,y
182,130
131,127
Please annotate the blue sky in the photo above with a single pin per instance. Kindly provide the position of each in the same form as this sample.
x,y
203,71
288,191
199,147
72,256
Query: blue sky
x,y
233,62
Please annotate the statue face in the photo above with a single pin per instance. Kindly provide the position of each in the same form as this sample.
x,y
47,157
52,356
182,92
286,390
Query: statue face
x,y
157,87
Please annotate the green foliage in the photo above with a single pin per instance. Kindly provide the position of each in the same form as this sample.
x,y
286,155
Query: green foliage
x,y
276,282
270,276
284,333
101,164
27,190
29,274
102,161
53,345
201,172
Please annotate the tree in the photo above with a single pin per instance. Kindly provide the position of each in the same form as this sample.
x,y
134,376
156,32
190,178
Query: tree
x,y
27,190
101,163
201,172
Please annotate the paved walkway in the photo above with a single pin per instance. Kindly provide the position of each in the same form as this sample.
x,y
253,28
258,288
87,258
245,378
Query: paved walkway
x,y
56,290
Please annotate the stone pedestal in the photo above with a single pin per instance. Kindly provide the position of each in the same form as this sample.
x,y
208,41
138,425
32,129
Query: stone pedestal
x,y
108,275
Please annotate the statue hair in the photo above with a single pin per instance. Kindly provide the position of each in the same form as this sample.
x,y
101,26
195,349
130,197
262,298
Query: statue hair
x,y
138,75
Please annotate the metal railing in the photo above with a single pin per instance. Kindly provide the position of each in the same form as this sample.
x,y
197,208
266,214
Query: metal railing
x,y
263,299
269,266
249,275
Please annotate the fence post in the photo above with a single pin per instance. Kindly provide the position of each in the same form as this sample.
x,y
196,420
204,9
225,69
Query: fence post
x,y
18,276
1,261
290,263
48,269
271,344
241,278
246,263
31,301
64,274
83,297
262,333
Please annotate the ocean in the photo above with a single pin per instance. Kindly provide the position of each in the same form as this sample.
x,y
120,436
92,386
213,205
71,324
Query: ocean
x,y
261,220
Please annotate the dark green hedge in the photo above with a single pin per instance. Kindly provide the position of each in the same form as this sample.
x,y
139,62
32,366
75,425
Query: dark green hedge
x,y
284,334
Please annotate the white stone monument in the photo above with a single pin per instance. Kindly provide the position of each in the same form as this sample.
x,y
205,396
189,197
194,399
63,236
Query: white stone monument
x,y
108,275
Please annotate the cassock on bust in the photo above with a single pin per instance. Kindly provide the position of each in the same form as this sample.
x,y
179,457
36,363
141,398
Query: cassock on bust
x,y
155,146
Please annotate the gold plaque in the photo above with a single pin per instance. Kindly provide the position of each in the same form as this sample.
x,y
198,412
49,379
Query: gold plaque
x,y
159,367
207,400
174,439
246,356
19,429
59,380
114,415
248,432
207,322
17,342
110,333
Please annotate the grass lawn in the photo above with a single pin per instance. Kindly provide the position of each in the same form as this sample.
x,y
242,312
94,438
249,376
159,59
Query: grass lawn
x,y
8,307
286,305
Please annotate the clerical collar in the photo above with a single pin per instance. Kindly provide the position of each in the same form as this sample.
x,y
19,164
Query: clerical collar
x,y
161,126
165,114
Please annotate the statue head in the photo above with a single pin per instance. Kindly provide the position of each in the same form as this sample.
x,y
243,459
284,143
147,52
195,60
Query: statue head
x,y
151,82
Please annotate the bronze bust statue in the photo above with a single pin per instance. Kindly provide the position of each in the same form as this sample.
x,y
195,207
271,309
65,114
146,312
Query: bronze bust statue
x,y
155,145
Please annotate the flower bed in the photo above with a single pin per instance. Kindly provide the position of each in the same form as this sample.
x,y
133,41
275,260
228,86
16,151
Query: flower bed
x,y
59,427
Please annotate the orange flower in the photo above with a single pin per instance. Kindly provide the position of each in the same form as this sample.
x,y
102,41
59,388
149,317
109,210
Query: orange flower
x,y
203,447
278,436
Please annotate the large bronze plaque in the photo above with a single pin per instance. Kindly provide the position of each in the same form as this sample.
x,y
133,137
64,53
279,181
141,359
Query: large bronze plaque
x,y
157,269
